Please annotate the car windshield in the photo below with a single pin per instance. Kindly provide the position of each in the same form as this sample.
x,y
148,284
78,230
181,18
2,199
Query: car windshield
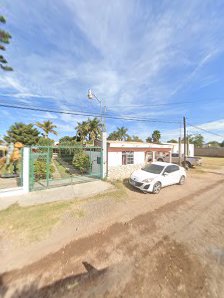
x,y
154,169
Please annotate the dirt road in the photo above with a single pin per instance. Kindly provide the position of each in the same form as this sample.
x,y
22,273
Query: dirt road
x,y
175,249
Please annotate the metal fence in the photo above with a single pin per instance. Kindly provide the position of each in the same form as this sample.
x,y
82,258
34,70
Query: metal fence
x,y
63,165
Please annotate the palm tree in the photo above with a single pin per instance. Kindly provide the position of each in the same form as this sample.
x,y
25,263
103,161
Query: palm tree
x,y
156,135
94,128
47,127
90,129
122,133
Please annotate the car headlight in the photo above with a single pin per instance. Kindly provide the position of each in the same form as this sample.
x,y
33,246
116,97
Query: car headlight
x,y
147,180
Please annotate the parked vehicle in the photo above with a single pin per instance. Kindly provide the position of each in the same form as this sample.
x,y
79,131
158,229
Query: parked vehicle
x,y
190,161
153,177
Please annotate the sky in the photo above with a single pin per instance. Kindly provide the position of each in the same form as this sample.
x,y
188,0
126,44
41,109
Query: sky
x,y
154,60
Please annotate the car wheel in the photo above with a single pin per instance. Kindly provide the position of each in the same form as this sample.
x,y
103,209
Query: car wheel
x,y
157,187
182,180
160,159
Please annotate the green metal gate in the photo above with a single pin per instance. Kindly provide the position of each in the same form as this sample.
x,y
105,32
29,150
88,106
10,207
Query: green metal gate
x,y
64,165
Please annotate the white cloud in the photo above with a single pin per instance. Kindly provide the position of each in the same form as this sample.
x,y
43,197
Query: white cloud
x,y
128,51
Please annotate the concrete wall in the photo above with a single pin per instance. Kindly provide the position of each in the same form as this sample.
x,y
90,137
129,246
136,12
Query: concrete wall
x,y
117,171
114,159
122,172
213,152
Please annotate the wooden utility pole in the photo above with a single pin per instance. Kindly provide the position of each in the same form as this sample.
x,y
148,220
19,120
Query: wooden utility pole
x,y
179,150
185,141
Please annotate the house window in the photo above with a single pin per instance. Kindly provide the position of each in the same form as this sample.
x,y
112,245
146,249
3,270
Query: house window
x,y
127,157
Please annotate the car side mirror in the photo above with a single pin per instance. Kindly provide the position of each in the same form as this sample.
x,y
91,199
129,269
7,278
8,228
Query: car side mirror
x,y
165,174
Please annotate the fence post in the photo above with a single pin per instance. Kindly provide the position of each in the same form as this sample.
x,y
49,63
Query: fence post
x,y
26,169
104,155
48,166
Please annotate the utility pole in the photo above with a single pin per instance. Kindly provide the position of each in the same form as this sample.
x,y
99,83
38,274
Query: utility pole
x,y
179,150
185,139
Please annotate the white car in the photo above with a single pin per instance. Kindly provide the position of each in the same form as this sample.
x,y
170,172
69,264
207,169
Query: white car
x,y
156,175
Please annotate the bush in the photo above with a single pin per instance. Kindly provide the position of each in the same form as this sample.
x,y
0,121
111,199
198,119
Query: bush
x,y
81,161
45,142
40,170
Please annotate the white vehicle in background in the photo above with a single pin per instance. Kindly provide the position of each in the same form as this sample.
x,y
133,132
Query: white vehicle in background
x,y
191,161
156,175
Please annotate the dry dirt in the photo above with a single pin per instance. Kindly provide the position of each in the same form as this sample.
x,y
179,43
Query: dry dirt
x,y
166,245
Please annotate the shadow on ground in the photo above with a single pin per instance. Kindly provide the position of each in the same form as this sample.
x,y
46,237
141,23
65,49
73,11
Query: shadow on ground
x,y
71,285
130,187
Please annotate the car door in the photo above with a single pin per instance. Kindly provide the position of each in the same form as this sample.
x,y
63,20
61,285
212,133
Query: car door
x,y
171,175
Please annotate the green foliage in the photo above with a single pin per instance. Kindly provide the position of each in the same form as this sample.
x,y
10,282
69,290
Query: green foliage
x,y
67,139
4,39
214,144
156,135
134,139
197,140
47,127
40,169
45,142
81,161
24,133
119,135
172,141
222,144
149,140
89,130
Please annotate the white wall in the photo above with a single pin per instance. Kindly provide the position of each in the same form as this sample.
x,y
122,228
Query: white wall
x,y
176,149
114,159
139,157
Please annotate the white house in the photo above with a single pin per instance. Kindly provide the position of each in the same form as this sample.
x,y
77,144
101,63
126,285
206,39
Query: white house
x,y
125,157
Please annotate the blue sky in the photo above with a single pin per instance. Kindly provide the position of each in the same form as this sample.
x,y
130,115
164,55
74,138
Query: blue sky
x,y
134,54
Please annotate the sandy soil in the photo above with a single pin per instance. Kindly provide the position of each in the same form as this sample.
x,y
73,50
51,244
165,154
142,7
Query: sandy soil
x,y
166,245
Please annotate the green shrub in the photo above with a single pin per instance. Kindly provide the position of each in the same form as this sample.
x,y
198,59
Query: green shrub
x,y
81,161
40,169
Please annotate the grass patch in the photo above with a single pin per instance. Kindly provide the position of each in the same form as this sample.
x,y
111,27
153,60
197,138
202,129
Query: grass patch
x,y
212,162
33,223
61,169
28,224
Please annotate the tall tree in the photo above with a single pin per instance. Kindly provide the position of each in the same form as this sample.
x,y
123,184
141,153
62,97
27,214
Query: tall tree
x,y
24,133
89,130
149,140
47,127
119,135
197,140
213,144
156,135
4,39
222,144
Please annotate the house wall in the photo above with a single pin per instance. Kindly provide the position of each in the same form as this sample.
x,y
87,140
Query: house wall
x,y
122,172
190,149
117,171
114,159
139,157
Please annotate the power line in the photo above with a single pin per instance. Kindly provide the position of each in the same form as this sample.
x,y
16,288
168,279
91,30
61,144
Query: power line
x,y
78,113
150,105
205,130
